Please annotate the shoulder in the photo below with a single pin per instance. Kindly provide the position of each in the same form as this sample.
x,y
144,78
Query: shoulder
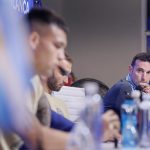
x,y
116,95
120,86
37,86
37,91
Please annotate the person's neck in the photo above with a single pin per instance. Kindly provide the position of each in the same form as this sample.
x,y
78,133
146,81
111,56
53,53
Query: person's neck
x,y
131,81
46,89
44,83
50,91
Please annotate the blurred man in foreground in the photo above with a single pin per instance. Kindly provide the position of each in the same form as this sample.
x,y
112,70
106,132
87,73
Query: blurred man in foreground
x,y
47,38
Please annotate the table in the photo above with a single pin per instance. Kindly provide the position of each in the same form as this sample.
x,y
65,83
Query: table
x,y
110,146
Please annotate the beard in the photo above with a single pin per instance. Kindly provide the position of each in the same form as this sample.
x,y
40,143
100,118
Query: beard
x,y
52,84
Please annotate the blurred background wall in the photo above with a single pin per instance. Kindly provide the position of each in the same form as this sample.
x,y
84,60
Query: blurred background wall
x,y
104,35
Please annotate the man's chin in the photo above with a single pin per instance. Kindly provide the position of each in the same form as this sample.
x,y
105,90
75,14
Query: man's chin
x,y
57,89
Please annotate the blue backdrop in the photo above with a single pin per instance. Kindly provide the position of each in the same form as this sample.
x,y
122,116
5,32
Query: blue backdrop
x,y
24,6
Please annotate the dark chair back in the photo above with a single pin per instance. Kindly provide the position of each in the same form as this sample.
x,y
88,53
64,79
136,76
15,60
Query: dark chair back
x,y
103,88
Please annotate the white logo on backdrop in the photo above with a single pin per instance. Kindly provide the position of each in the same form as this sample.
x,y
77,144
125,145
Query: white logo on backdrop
x,y
20,5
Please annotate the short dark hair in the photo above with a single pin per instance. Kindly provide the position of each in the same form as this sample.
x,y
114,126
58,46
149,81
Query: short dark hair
x,y
141,56
45,17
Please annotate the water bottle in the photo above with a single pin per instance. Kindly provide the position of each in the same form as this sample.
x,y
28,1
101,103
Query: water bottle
x,y
129,124
87,133
80,138
145,122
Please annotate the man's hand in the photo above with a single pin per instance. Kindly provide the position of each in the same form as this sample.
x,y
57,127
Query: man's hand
x,y
111,126
39,137
145,87
53,139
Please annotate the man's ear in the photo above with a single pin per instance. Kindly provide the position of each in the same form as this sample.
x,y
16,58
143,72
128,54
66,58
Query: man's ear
x,y
130,68
34,40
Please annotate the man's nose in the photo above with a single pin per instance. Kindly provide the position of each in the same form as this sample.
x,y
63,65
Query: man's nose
x,y
144,76
56,60
65,79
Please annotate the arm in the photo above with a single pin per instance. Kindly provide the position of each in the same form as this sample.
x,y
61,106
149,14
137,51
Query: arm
x,y
39,137
111,126
43,112
61,123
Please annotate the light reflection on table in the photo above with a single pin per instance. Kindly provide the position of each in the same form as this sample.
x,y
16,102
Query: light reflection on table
x,y
110,146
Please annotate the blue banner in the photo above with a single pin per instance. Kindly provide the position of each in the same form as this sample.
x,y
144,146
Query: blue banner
x,y
15,67
22,6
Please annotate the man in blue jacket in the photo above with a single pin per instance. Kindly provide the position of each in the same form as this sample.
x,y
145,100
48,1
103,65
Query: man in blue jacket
x,y
137,78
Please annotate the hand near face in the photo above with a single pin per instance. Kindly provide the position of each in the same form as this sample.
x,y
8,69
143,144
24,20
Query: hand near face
x,y
145,87
111,126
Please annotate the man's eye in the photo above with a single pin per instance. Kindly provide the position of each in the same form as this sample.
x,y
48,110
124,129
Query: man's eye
x,y
140,70
58,45
63,72
148,72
